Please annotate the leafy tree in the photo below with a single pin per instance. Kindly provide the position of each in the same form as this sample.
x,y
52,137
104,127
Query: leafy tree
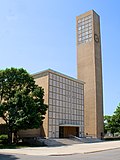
x,y
21,101
116,119
107,123
112,123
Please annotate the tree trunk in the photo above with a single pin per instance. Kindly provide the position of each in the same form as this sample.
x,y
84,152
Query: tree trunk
x,y
15,140
9,136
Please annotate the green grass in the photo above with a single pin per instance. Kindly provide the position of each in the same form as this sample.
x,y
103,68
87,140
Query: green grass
x,y
17,146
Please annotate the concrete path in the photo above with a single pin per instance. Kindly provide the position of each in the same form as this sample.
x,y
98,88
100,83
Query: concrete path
x,y
63,150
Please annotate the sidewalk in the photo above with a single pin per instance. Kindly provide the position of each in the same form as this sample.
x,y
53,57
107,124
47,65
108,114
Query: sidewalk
x,y
62,150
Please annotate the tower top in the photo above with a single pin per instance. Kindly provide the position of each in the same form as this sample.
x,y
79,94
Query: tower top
x,y
87,13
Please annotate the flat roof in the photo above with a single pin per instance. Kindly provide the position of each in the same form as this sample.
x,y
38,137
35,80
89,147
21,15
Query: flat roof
x,y
46,72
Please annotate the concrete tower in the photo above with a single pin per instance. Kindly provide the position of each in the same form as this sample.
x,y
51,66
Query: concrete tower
x,y
89,69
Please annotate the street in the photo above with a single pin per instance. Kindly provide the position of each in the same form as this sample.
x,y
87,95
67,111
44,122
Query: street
x,y
103,155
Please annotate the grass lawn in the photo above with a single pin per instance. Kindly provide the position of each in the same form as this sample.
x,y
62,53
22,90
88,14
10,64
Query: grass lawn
x,y
16,146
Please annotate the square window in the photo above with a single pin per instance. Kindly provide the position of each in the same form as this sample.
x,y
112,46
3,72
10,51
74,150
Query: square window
x,y
90,27
50,101
54,95
90,24
50,121
50,107
90,31
51,76
90,35
86,18
61,85
51,88
53,115
79,21
50,114
50,95
79,32
57,84
83,38
79,28
90,20
86,36
79,39
61,103
86,29
90,16
86,26
50,128
51,82
58,78
54,102
57,102
79,35
54,121
83,27
82,19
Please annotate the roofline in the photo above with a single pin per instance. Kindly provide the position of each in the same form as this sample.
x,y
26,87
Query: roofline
x,y
45,72
88,12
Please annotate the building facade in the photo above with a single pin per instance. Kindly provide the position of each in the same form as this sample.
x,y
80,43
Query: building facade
x,y
65,98
89,69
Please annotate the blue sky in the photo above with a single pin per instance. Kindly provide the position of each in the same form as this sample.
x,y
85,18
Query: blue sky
x,y
40,34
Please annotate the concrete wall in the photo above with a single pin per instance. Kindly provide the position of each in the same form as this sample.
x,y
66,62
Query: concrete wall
x,y
43,81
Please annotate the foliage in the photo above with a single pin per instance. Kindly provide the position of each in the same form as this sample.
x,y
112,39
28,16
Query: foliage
x,y
116,119
112,138
3,139
107,123
112,123
21,100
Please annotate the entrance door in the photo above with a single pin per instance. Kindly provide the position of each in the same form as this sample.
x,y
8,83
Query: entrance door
x,y
66,131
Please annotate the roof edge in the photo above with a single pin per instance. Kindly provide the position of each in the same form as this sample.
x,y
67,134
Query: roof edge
x,y
45,72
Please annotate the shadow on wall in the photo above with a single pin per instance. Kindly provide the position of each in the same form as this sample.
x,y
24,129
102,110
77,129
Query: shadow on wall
x,y
7,157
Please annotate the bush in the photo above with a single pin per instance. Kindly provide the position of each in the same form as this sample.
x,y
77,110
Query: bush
x,y
31,141
112,138
4,139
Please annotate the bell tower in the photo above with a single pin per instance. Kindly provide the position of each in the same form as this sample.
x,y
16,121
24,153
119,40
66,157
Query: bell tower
x,y
89,69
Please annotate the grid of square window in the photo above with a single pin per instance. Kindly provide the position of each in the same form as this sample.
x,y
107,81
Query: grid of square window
x,y
65,103
84,29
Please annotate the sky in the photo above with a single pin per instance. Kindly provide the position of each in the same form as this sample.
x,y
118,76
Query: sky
x,y
41,34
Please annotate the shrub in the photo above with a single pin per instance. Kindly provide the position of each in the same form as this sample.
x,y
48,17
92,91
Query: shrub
x,y
32,141
112,138
4,139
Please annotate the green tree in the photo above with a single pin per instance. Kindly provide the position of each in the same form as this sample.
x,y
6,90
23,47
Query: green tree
x,y
116,119
107,123
112,123
21,101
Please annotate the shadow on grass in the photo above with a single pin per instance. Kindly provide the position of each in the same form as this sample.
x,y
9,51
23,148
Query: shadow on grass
x,y
7,157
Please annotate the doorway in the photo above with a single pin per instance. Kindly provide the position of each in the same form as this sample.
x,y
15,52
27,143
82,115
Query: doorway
x,y
66,131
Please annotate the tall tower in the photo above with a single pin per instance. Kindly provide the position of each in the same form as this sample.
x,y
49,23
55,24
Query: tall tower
x,y
89,69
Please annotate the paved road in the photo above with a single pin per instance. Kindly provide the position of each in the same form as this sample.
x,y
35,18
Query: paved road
x,y
70,149
103,155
